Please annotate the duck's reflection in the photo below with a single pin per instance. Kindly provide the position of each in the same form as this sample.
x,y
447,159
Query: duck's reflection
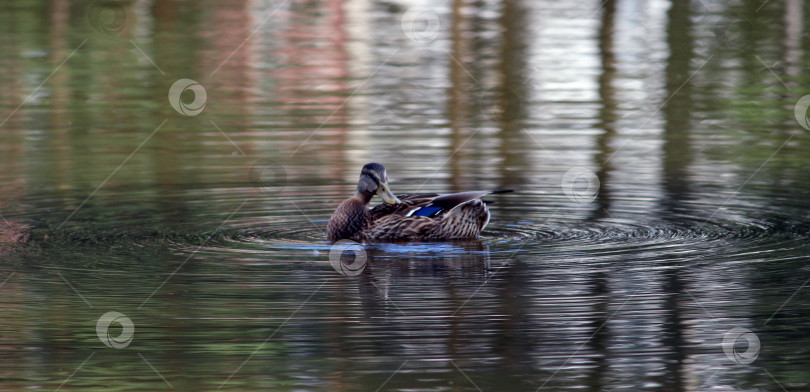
x,y
400,280
423,266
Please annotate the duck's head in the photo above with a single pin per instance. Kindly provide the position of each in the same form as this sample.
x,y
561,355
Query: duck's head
x,y
374,181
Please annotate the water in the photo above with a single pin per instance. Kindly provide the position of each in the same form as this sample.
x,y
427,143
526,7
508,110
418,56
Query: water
x,y
660,174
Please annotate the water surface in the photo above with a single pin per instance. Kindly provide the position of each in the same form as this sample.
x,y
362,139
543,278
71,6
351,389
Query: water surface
x,y
662,195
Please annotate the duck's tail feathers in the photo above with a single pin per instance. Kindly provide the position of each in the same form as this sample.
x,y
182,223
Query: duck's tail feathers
x,y
466,220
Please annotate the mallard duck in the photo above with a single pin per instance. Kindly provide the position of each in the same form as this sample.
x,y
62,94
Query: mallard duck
x,y
409,217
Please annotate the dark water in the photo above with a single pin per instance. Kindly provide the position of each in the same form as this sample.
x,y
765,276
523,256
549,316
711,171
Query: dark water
x,y
661,206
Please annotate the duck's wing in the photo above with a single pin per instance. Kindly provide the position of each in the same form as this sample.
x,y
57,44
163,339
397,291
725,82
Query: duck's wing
x,y
431,217
453,199
441,205
408,201
428,205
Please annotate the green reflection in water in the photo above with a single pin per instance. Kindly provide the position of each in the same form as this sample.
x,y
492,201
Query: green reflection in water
x,y
207,230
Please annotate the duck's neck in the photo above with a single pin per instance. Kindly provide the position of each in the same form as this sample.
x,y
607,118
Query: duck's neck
x,y
364,197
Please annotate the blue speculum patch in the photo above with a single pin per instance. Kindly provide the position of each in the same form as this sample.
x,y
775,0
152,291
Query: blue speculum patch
x,y
427,211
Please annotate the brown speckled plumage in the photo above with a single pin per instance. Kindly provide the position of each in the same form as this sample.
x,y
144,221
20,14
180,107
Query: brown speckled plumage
x,y
349,221
465,220
456,216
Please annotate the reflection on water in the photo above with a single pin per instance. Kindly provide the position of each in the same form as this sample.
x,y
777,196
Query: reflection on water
x,y
660,173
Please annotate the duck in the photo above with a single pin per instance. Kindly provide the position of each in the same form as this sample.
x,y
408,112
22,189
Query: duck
x,y
407,217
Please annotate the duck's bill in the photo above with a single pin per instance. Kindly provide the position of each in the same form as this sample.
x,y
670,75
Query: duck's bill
x,y
385,193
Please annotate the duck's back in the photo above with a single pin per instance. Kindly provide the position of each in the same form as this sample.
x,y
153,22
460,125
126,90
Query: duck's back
x,y
415,217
